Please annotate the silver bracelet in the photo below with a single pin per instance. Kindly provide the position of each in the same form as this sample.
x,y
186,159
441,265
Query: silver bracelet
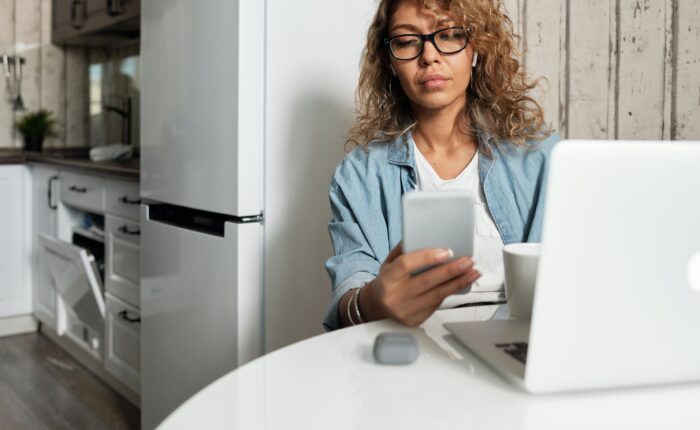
x,y
355,299
349,314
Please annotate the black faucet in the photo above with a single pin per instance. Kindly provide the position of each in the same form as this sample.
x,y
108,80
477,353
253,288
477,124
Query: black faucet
x,y
126,119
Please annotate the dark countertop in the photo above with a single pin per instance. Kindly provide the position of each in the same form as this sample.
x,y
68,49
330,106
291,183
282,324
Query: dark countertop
x,y
73,158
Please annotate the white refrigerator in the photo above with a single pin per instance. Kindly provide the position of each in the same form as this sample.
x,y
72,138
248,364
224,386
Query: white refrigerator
x,y
222,82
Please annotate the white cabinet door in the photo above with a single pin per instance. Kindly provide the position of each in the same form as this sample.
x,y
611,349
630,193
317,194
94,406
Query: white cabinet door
x,y
122,262
81,306
44,204
15,292
123,342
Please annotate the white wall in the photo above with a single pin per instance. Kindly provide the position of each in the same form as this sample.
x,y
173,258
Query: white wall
x,y
309,111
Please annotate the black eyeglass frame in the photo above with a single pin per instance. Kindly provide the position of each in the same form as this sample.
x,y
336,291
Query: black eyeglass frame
x,y
428,38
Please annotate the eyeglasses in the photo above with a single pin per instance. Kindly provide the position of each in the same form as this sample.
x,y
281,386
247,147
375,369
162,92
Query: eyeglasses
x,y
409,46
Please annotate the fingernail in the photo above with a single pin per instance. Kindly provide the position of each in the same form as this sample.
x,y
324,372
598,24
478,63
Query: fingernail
x,y
444,254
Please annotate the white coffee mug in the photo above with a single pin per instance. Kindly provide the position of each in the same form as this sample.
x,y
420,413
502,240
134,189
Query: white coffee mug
x,y
520,261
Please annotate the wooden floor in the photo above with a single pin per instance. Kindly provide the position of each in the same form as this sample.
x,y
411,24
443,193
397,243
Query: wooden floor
x,y
42,387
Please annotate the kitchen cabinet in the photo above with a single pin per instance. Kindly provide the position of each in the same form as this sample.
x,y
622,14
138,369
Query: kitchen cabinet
x,y
123,342
15,294
66,19
122,264
102,14
44,216
87,242
95,22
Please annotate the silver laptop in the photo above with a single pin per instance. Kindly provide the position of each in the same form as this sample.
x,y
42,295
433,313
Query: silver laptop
x,y
617,301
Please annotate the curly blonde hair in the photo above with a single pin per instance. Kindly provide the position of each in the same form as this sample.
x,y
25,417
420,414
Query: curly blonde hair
x,y
498,94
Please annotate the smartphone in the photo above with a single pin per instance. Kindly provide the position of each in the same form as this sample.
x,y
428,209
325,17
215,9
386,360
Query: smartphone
x,y
439,219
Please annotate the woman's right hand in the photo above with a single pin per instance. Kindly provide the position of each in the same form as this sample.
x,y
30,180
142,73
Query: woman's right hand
x,y
395,294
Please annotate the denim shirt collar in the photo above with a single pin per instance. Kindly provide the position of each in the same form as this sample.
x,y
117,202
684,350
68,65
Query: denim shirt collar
x,y
485,162
401,153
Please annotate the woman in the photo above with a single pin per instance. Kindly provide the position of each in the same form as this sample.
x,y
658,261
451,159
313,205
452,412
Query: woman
x,y
442,104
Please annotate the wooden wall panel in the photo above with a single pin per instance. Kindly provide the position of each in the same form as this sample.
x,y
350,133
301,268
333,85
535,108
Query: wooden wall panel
x,y
641,77
686,90
564,19
514,9
614,67
589,69
542,24
669,18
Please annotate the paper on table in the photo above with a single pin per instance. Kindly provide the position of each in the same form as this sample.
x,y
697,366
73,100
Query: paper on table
x,y
462,299
488,282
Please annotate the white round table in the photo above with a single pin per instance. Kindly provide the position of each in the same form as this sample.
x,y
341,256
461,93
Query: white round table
x,y
331,382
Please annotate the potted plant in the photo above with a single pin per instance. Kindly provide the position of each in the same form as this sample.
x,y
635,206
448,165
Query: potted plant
x,y
35,126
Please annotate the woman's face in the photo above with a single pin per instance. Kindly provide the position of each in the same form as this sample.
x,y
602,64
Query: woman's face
x,y
433,81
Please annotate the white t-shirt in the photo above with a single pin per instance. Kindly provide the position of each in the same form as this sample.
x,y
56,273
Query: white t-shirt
x,y
488,245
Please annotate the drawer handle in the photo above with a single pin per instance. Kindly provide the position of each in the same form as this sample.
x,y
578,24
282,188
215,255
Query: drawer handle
x,y
77,189
124,229
52,205
126,200
125,316
114,7
76,18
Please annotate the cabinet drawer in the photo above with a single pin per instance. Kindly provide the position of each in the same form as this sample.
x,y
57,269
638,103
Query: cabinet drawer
x,y
85,192
122,262
123,198
123,342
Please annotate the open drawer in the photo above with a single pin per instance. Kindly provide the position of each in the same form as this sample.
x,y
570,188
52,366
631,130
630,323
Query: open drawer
x,y
80,300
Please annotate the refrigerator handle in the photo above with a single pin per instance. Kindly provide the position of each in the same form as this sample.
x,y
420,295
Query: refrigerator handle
x,y
250,219
196,220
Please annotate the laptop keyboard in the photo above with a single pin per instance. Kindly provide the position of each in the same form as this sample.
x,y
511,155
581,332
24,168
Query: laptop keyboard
x,y
517,350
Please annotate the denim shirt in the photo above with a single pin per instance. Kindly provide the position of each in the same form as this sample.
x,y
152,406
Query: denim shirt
x,y
365,197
